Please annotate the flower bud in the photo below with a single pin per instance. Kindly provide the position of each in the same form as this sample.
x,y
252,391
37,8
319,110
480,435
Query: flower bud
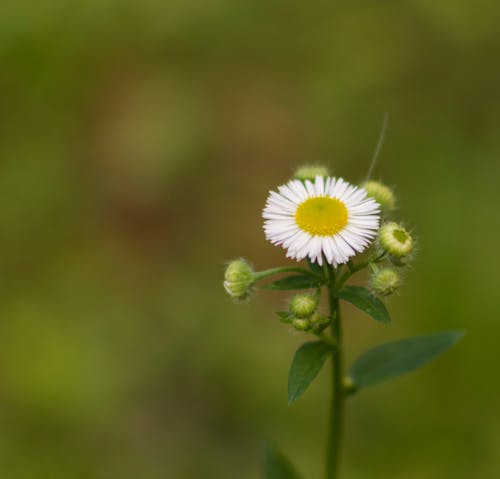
x,y
348,386
318,322
319,319
301,324
385,281
310,172
303,305
381,193
394,239
238,279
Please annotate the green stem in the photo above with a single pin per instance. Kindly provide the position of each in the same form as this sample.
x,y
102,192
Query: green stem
x,y
337,399
327,339
353,269
286,269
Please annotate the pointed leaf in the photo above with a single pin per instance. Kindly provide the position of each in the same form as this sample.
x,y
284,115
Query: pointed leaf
x,y
363,299
276,465
399,357
302,281
315,267
285,316
306,365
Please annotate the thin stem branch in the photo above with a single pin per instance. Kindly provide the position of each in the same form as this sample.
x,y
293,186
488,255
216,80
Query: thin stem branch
x,y
286,269
353,269
380,142
337,398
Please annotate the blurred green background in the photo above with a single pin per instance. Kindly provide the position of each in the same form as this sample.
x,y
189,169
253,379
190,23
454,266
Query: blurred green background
x,y
138,140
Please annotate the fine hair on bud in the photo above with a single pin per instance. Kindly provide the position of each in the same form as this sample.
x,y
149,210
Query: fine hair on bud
x,y
304,305
394,239
385,281
301,324
239,279
310,172
381,193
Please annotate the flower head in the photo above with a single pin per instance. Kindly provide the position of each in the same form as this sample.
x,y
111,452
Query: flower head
x,y
239,279
326,217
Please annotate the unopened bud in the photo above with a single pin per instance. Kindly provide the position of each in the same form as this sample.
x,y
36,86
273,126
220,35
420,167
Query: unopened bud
x,y
303,305
310,172
348,386
238,279
319,319
301,324
319,323
385,281
394,239
381,193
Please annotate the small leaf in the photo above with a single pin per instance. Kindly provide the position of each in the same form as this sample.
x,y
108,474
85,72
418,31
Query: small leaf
x,y
285,316
303,281
276,465
315,267
363,299
306,365
399,357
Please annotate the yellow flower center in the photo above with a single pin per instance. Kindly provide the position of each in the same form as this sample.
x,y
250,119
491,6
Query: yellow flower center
x,y
322,216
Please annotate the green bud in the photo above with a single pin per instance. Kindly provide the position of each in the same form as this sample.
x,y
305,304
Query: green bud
x,y
385,281
319,323
348,386
304,305
239,279
301,324
318,319
395,240
381,193
309,172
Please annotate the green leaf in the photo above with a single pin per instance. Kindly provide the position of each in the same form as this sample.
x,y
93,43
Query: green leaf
x,y
363,299
285,316
302,281
315,267
306,365
399,357
276,465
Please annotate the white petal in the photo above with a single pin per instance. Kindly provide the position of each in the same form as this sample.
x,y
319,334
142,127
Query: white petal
x,y
311,191
320,186
299,190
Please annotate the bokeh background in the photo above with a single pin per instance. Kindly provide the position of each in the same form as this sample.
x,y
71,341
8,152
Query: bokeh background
x,y
138,140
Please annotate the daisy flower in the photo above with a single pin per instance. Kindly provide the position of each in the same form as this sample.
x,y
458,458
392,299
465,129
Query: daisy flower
x,y
327,217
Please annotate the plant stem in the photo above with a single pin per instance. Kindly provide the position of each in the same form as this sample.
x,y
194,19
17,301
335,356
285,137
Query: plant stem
x,y
354,268
337,398
286,269
327,339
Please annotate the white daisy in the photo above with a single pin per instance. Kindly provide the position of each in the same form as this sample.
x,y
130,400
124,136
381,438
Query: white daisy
x,y
326,217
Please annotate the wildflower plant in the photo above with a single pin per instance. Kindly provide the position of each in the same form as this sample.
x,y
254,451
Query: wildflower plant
x,y
337,230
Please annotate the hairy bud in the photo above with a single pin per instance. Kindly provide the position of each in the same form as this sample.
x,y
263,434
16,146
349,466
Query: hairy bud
x,y
239,279
381,193
310,172
385,281
395,240
304,305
